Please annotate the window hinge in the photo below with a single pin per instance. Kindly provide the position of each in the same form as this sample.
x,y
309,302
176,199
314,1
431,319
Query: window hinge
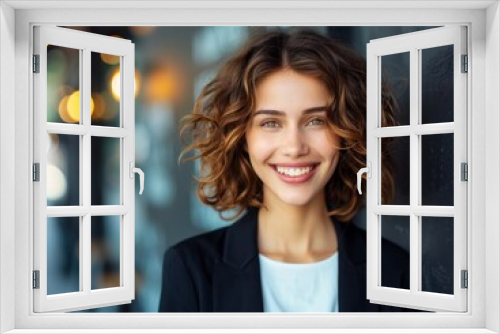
x,y
465,279
36,63
465,64
464,171
36,279
36,172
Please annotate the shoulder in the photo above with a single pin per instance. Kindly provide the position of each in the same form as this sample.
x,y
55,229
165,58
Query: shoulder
x,y
207,246
190,267
187,271
234,245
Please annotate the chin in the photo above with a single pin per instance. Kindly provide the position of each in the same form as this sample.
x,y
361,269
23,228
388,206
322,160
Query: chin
x,y
299,200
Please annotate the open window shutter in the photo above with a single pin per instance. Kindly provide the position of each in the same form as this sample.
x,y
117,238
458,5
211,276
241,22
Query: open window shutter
x,y
84,294
418,297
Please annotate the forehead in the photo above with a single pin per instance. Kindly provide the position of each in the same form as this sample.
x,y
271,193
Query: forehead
x,y
288,88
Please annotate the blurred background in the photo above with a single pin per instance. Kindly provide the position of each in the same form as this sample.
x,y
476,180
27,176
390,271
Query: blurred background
x,y
172,64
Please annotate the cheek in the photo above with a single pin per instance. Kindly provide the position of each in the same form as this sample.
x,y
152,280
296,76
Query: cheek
x,y
328,147
335,145
259,153
327,144
258,147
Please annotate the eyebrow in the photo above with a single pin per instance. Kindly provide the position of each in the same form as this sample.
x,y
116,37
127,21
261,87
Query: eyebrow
x,y
279,112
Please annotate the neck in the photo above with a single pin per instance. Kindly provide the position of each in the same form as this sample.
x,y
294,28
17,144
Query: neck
x,y
296,233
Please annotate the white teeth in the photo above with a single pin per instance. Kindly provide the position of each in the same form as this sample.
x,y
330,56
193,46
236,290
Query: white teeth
x,y
294,171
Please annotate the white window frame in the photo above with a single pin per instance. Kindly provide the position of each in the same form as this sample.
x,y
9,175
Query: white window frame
x,y
414,44
85,43
483,21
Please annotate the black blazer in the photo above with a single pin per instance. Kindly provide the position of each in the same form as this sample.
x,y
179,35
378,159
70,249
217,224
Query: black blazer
x,y
219,271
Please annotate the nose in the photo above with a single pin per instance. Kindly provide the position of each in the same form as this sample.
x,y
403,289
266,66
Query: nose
x,y
294,143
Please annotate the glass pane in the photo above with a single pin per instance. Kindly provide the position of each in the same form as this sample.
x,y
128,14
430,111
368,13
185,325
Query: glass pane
x,y
437,84
437,169
395,238
63,170
63,84
105,80
63,259
105,252
396,78
105,170
437,254
395,158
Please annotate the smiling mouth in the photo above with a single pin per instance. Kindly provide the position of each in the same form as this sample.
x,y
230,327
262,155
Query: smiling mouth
x,y
295,171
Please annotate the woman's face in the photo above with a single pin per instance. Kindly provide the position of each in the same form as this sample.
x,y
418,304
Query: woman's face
x,y
290,145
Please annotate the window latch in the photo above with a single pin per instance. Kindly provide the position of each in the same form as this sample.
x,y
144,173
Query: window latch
x,y
368,171
133,170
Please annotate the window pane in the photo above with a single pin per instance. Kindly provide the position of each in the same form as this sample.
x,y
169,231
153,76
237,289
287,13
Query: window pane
x,y
63,170
396,77
63,84
63,259
395,234
105,170
105,80
437,254
437,169
437,84
396,160
105,251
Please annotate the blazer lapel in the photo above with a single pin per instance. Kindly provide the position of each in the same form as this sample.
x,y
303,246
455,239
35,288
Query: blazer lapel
x,y
236,280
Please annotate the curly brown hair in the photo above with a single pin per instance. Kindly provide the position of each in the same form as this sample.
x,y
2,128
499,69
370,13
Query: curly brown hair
x,y
224,107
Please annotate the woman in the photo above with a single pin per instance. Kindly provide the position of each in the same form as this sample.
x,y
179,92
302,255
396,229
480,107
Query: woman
x,y
280,134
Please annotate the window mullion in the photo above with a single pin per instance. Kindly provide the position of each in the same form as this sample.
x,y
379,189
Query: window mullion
x,y
414,170
80,130
421,210
418,190
85,110
85,247
419,129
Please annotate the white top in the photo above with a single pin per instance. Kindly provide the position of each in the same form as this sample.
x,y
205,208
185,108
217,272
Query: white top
x,y
300,287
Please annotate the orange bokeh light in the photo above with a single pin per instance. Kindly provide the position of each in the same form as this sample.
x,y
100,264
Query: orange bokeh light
x,y
161,86
110,59
69,107
115,84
